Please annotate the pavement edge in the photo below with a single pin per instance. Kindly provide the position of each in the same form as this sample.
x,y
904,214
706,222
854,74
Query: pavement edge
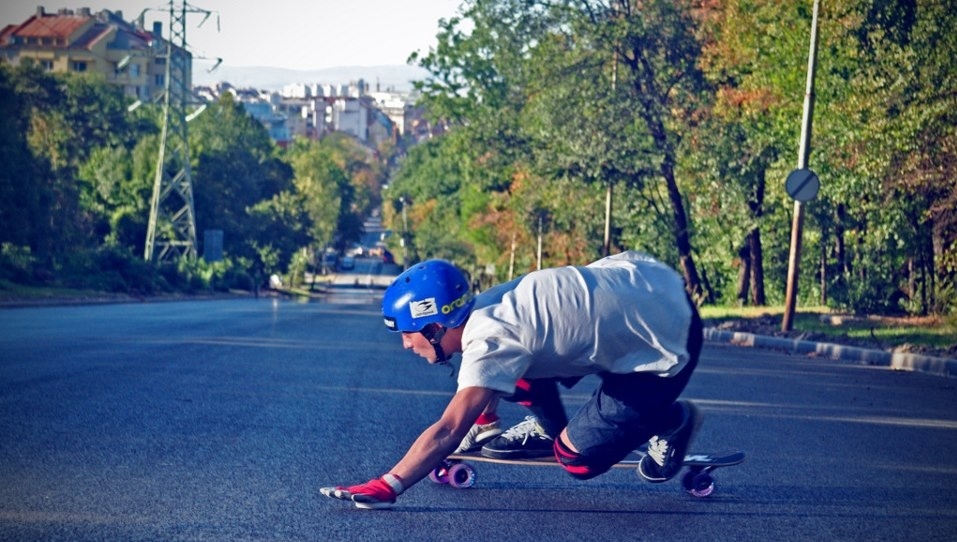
x,y
899,361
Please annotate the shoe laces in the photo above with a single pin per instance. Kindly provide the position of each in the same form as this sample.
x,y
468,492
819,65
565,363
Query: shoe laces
x,y
659,449
525,429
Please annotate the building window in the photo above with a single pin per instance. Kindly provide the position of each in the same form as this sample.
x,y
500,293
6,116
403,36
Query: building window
x,y
47,65
79,66
159,80
134,70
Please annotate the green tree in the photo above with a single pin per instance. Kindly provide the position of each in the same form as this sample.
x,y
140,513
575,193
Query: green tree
x,y
69,117
656,47
476,88
281,228
907,83
361,165
755,56
587,91
428,186
325,193
236,167
21,189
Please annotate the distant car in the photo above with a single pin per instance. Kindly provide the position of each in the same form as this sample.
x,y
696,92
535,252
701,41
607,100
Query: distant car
x,y
347,262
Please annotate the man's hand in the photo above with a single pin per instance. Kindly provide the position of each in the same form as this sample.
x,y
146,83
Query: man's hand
x,y
378,493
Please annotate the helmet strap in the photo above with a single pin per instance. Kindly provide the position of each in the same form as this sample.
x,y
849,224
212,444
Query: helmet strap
x,y
434,333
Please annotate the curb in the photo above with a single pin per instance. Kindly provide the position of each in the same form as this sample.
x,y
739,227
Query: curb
x,y
897,361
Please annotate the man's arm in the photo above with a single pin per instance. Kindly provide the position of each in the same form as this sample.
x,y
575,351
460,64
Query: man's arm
x,y
444,436
432,446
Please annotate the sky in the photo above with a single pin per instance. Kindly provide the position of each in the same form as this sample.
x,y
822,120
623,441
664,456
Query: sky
x,y
294,34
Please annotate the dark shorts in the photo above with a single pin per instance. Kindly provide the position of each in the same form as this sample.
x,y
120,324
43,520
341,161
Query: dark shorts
x,y
628,409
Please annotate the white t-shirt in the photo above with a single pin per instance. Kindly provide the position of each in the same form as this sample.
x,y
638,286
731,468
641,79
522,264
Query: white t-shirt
x,y
621,314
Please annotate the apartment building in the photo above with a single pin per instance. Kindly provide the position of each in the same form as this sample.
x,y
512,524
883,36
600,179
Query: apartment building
x,y
311,111
124,53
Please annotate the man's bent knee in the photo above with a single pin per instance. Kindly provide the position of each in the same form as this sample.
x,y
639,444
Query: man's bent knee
x,y
576,464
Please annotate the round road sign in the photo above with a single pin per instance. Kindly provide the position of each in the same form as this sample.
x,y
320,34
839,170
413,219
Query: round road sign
x,y
802,184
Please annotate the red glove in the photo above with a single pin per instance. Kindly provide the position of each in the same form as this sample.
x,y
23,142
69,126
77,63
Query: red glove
x,y
378,493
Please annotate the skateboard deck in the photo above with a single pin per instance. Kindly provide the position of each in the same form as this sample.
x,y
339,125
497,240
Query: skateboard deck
x,y
457,470
631,460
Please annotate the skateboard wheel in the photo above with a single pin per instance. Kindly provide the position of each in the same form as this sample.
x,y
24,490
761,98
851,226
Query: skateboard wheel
x,y
699,484
461,476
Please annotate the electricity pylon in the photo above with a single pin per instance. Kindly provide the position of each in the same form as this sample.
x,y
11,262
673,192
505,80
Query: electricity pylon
x,y
172,226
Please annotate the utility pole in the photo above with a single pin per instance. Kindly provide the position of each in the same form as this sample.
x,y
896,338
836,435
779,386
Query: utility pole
x,y
172,224
802,179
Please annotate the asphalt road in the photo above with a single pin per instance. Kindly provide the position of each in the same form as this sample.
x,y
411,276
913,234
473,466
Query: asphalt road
x,y
219,420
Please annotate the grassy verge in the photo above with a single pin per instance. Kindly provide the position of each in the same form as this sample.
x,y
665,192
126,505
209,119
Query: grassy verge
x,y
916,333
10,291
14,295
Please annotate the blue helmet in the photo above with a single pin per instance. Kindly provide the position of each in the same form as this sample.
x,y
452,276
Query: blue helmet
x,y
431,292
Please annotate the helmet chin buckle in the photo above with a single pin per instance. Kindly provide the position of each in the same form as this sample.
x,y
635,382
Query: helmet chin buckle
x,y
434,333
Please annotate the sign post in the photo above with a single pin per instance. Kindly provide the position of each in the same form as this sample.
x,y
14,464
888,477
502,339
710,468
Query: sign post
x,y
805,182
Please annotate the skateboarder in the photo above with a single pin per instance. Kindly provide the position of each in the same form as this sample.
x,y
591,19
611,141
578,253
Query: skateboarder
x,y
625,318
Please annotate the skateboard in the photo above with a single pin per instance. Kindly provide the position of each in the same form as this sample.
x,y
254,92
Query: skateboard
x,y
458,471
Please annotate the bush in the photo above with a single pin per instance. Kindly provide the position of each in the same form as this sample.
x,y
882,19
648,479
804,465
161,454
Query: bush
x,y
873,297
16,263
116,269
227,275
111,269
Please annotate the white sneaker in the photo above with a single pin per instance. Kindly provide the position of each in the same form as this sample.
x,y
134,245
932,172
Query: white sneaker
x,y
478,435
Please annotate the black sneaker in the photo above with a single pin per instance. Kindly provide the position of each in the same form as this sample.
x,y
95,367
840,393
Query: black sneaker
x,y
666,451
525,439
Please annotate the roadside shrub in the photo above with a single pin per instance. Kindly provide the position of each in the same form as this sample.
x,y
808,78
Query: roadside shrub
x,y
117,269
111,269
874,297
227,275
16,263
138,275
194,275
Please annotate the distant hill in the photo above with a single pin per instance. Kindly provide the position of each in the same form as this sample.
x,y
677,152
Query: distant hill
x,y
384,78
